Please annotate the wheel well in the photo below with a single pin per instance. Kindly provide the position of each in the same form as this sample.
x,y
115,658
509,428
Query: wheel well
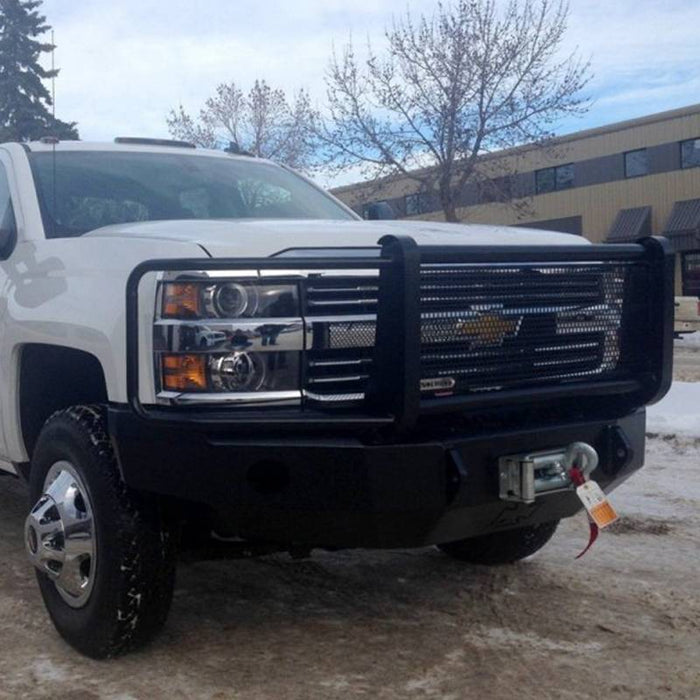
x,y
53,377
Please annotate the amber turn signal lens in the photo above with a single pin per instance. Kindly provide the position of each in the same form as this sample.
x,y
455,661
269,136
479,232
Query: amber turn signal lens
x,y
181,300
184,373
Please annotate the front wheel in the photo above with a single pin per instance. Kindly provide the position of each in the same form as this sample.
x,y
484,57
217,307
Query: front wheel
x,y
503,547
105,555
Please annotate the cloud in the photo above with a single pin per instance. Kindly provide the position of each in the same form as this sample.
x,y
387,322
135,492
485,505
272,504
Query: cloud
x,y
643,54
124,65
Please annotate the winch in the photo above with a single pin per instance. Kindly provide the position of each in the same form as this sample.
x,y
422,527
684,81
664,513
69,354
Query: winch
x,y
522,477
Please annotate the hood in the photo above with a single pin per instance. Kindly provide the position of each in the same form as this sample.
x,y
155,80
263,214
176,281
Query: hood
x,y
264,237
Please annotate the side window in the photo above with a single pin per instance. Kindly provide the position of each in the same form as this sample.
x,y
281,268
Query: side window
x,y
545,180
8,227
417,203
7,214
636,163
565,176
560,177
499,189
690,153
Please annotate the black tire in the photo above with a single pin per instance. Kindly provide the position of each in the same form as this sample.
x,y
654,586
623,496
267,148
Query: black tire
x,y
135,542
503,547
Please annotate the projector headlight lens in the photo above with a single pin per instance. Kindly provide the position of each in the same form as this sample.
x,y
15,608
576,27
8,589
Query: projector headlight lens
x,y
234,300
238,371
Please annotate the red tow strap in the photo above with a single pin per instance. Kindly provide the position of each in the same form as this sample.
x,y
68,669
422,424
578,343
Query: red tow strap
x,y
578,478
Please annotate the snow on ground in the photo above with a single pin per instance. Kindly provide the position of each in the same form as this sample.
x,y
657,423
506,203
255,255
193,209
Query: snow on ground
x,y
689,340
621,623
678,413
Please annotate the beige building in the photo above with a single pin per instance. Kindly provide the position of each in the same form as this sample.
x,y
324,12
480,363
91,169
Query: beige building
x,y
613,183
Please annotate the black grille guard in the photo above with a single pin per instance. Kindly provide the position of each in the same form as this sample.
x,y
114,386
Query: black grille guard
x,y
393,397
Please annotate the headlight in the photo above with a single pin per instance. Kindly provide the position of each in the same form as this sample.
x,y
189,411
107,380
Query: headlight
x,y
218,339
233,372
230,299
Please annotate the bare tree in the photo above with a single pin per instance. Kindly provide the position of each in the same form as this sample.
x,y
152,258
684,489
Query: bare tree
x,y
474,78
263,122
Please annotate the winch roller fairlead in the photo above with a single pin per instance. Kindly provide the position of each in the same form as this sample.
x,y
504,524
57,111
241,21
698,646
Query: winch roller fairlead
x,y
523,477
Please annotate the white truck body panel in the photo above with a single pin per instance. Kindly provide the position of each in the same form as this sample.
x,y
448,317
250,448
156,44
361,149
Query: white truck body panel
x,y
70,291
263,237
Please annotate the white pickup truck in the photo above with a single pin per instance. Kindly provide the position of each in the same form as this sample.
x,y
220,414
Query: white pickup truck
x,y
201,346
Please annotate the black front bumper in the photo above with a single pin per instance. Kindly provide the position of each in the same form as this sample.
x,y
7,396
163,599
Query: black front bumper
x,y
387,473
350,492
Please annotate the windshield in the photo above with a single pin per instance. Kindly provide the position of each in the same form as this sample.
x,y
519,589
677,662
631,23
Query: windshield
x,y
84,190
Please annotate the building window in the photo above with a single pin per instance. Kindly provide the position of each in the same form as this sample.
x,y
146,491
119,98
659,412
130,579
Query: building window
x,y
636,163
367,210
545,180
551,179
690,153
378,210
417,203
500,189
691,274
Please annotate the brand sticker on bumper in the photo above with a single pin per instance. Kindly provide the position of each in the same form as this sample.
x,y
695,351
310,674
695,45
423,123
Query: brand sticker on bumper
x,y
437,384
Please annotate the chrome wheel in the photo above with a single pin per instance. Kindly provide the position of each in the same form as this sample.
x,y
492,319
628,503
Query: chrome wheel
x,y
60,534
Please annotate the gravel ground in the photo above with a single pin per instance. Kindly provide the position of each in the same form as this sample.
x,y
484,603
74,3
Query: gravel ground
x,y
623,622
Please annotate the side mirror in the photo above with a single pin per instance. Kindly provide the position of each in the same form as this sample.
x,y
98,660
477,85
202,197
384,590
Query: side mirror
x,y
8,238
379,210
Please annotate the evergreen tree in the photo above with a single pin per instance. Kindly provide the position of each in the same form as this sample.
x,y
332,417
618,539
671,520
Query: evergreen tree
x,y
24,99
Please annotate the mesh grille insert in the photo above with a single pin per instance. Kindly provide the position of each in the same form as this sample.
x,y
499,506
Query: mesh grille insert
x,y
508,327
484,328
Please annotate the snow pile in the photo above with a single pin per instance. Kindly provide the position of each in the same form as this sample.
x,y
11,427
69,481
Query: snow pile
x,y
689,340
678,413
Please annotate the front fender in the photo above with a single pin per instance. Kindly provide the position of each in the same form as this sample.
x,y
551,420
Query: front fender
x,y
71,293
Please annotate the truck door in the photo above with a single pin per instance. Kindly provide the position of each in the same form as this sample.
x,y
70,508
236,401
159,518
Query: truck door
x,y
8,237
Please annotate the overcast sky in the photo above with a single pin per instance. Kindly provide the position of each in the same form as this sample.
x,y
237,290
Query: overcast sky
x,y
124,64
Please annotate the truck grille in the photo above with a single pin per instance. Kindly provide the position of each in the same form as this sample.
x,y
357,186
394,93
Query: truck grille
x,y
484,328
488,329
342,315
342,295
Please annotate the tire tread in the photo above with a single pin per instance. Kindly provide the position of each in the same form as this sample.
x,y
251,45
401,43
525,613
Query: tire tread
x,y
143,577
503,547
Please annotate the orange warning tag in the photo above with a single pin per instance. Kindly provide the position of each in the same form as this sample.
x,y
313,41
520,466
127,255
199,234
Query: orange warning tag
x,y
596,503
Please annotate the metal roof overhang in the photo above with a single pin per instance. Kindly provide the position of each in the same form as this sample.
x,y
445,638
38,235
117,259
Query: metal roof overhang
x,y
629,225
683,226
